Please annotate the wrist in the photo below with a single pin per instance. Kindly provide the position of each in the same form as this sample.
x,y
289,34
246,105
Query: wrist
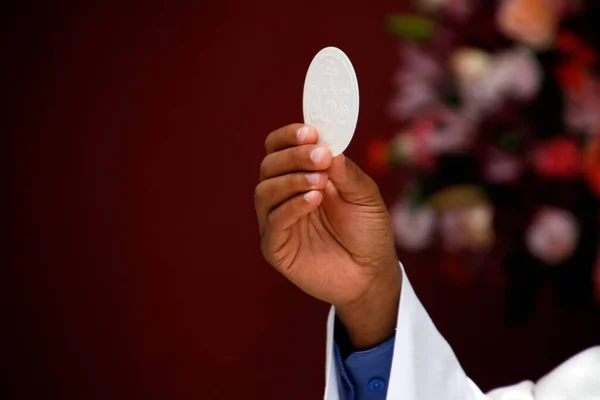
x,y
371,320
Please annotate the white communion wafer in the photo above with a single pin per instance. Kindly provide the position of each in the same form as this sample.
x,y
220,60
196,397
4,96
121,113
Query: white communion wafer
x,y
330,101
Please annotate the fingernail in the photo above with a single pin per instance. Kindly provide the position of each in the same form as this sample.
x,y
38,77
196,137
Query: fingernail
x,y
302,133
311,196
313,179
317,155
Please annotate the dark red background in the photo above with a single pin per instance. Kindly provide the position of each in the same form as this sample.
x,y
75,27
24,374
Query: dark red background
x,y
132,266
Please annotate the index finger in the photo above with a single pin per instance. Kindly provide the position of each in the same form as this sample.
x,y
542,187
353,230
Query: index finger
x,y
290,136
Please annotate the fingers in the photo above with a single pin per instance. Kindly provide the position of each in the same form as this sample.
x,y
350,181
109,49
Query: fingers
x,y
300,158
276,235
272,193
287,214
291,176
351,183
289,136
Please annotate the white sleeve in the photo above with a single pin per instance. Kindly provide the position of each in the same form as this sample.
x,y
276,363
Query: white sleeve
x,y
424,366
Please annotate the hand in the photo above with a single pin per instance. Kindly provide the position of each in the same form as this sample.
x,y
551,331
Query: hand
x,y
325,227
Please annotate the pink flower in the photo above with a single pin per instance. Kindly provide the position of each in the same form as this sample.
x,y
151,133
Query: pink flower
x,y
517,74
416,80
412,145
436,132
451,132
501,167
531,22
414,226
486,81
412,98
553,235
582,107
458,9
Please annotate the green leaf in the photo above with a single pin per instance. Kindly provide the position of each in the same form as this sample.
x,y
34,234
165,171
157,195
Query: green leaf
x,y
411,26
509,142
394,156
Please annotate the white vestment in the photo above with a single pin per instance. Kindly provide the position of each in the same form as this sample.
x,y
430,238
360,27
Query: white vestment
x,y
424,366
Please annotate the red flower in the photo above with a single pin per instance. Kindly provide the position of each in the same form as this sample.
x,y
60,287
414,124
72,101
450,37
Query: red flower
x,y
378,155
568,42
571,77
558,159
592,166
597,281
582,53
423,129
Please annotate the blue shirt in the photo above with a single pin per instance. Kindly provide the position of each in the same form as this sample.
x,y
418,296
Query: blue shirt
x,y
365,374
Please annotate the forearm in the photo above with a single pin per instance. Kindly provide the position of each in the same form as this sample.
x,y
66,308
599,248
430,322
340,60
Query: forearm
x,y
372,320
423,365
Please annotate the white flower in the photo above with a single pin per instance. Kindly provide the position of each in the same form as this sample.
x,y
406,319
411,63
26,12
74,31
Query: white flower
x,y
553,235
515,73
485,82
416,80
414,226
470,64
469,227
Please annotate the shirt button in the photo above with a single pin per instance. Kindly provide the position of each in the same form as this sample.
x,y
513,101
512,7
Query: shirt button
x,y
376,384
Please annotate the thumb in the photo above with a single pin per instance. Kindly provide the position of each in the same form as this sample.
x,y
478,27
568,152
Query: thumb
x,y
352,184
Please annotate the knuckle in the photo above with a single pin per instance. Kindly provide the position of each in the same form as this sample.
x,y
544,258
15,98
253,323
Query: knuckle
x,y
293,156
297,157
271,219
294,205
371,184
258,191
291,131
264,167
266,252
300,182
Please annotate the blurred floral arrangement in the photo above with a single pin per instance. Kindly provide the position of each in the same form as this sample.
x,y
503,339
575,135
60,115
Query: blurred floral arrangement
x,y
497,151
